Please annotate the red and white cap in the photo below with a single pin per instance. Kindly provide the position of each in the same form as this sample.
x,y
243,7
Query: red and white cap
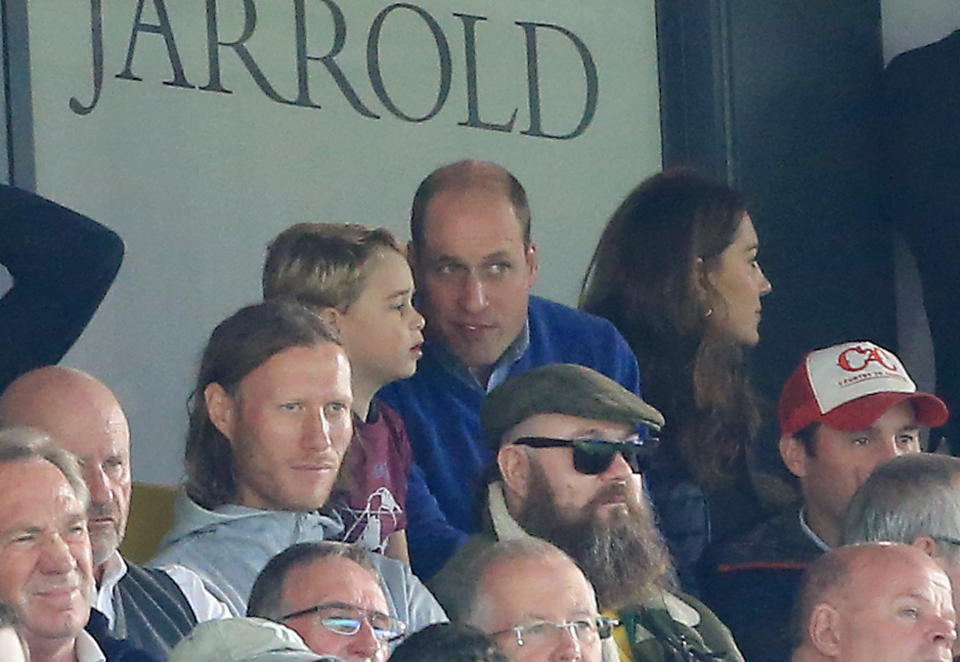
x,y
849,386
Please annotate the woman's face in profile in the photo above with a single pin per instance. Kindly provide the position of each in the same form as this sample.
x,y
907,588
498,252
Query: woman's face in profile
x,y
738,282
11,650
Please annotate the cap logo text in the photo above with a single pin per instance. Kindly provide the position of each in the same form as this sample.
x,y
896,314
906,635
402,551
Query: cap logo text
x,y
855,359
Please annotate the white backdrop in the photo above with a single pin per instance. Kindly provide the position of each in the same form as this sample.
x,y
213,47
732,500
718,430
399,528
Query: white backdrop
x,y
198,180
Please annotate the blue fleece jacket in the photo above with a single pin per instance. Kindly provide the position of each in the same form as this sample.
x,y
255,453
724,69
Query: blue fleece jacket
x,y
441,410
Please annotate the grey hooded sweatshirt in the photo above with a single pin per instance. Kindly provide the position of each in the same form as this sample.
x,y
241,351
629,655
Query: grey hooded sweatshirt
x,y
229,546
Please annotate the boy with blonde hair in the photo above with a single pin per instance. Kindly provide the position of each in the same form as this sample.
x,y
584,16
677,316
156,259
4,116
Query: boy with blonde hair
x,y
358,279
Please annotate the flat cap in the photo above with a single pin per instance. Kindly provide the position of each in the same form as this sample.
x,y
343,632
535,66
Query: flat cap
x,y
562,388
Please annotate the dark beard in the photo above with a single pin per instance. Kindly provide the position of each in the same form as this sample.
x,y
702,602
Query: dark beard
x,y
624,556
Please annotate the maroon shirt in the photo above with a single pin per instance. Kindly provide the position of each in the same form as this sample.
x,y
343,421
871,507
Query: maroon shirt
x,y
373,498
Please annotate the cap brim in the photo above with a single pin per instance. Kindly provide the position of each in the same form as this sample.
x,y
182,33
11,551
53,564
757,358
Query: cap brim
x,y
860,414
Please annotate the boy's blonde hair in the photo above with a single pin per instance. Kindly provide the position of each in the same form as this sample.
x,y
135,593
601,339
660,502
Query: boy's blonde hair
x,y
324,265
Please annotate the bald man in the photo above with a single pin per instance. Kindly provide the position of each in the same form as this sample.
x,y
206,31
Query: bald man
x,y
152,609
875,602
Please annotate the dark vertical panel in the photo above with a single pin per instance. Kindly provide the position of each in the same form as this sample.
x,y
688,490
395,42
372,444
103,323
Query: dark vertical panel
x,y
797,129
694,85
18,110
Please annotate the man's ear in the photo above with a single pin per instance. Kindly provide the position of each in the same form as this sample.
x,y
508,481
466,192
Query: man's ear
x,y
927,545
794,455
533,262
331,315
220,409
824,629
514,464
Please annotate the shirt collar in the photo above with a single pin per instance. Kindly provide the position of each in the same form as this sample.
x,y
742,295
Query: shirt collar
x,y
501,369
114,568
810,534
87,649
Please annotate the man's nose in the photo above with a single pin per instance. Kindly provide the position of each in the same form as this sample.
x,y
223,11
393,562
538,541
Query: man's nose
x,y
473,296
56,557
98,484
316,430
568,647
365,644
619,469
887,450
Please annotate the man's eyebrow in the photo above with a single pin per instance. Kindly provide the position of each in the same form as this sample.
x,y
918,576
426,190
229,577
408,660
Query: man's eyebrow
x,y
450,259
74,518
497,255
18,529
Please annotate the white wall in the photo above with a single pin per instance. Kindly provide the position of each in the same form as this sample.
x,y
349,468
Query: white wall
x,y
911,23
198,181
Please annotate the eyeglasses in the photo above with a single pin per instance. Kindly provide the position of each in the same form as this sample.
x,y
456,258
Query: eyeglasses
x,y
347,619
546,632
594,456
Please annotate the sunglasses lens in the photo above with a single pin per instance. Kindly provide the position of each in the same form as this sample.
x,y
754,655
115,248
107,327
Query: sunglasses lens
x,y
638,458
595,457
592,458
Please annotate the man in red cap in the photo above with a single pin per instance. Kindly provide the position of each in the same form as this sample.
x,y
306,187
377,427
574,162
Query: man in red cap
x,y
844,411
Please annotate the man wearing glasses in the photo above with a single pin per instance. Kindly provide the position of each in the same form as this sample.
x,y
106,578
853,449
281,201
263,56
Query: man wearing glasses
x,y
329,593
571,447
914,499
534,600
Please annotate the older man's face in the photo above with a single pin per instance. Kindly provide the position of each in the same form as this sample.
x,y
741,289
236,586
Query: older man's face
x,y
340,587
897,611
85,418
45,564
527,599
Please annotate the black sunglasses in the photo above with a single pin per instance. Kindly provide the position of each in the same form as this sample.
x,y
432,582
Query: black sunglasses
x,y
594,456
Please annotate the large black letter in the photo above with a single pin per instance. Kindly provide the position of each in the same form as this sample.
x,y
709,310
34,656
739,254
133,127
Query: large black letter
x,y
373,61
96,42
339,38
163,27
473,105
213,53
533,81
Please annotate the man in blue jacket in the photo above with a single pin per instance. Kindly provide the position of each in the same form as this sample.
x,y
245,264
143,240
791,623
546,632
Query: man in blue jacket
x,y
474,263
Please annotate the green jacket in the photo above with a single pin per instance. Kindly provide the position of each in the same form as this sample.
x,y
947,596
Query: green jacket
x,y
675,628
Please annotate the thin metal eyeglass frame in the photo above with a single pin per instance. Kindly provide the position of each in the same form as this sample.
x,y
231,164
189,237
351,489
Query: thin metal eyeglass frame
x,y
386,635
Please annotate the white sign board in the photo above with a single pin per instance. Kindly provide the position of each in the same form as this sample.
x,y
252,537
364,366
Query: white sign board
x,y
198,129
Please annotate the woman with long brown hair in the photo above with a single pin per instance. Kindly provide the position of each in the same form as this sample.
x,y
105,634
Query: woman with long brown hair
x,y
676,271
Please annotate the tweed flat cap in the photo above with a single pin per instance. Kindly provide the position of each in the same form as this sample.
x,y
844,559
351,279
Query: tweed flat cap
x,y
562,388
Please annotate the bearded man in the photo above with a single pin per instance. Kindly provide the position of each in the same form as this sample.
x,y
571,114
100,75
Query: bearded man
x,y
572,446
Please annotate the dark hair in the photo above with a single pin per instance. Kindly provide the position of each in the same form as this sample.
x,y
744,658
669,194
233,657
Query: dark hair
x,y
645,278
449,642
469,175
266,596
239,345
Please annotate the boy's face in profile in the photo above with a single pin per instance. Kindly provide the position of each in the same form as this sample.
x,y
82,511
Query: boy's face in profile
x,y
381,331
